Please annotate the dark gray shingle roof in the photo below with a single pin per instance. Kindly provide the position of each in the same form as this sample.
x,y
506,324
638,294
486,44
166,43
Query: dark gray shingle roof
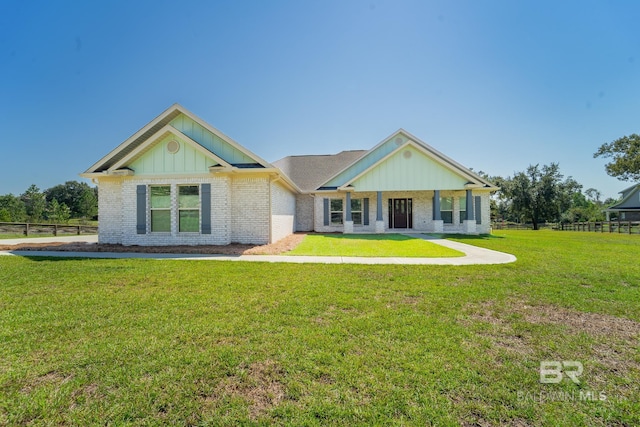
x,y
310,172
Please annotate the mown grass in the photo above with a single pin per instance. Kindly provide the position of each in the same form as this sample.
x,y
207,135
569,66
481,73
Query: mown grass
x,y
370,245
22,236
143,342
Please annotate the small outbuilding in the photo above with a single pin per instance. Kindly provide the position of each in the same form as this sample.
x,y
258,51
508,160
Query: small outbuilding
x,y
628,209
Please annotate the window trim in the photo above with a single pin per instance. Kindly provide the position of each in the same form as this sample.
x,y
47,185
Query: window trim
x,y
360,211
462,200
152,209
446,210
332,211
180,209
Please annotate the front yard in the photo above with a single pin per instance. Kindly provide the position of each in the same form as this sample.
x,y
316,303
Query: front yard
x,y
143,342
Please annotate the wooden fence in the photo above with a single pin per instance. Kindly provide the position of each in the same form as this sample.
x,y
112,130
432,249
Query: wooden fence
x,y
29,229
628,227
499,225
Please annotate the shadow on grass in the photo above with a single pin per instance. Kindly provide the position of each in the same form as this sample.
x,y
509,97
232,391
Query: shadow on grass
x,y
394,237
465,236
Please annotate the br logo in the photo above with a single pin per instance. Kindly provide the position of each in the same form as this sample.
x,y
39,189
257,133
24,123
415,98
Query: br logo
x,y
551,371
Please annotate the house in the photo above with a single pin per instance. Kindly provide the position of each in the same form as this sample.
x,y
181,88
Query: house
x,y
179,181
629,208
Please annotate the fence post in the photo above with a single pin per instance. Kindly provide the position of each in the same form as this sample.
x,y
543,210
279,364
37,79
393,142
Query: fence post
x,y
26,229
55,229
629,231
78,230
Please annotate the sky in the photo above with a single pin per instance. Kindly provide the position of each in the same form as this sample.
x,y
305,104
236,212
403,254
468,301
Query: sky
x,y
495,85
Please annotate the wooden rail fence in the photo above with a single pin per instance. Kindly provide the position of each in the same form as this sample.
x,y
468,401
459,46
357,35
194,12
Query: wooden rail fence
x,y
29,229
628,227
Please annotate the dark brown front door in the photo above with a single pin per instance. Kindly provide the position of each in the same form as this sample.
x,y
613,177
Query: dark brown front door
x,y
401,213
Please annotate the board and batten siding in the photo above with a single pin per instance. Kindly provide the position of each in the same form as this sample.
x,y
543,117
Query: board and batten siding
x,y
409,170
158,160
210,141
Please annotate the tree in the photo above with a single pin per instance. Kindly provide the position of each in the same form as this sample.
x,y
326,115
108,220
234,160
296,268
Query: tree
x,y
538,194
35,203
74,195
88,205
12,209
58,212
625,155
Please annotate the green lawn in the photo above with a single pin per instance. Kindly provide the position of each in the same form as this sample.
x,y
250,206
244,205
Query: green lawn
x,y
370,245
144,342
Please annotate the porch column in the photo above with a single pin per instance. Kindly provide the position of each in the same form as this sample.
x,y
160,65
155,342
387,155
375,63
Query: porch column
x,y
348,223
469,224
470,213
436,205
438,223
379,220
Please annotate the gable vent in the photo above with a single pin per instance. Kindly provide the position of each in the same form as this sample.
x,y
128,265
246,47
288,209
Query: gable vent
x,y
173,146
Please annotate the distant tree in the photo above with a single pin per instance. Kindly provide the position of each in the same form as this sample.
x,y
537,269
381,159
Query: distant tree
x,y
58,213
593,195
74,195
538,194
12,209
88,205
35,203
625,155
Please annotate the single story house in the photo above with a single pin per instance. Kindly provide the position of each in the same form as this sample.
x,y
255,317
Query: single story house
x,y
180,181
628,209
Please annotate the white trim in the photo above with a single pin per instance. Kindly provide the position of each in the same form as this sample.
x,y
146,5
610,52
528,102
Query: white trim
x,y
421,149
153,139
425,148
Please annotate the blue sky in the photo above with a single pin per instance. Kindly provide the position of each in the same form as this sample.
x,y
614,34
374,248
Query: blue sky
x,y
496,85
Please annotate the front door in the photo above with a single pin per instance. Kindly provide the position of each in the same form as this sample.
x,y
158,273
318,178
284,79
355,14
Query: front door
x,y
401,215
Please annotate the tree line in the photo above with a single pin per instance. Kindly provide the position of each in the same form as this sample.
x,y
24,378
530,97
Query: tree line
x,y
542,194
58,204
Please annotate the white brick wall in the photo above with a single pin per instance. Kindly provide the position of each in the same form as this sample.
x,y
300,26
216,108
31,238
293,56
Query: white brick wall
x,y
109,211
304,212
250,210
283,211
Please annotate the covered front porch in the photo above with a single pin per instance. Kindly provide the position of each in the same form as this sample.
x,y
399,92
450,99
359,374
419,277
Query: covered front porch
x,y
432,211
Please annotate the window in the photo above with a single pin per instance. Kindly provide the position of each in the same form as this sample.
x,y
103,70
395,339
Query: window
x,y
188,208
356,211
160,208
446,209
336,211
463,209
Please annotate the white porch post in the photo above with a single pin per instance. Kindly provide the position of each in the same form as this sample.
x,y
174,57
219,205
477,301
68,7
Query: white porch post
x,y
379,219
348,223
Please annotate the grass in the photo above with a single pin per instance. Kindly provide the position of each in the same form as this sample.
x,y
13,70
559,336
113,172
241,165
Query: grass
x,y
144,342
370,245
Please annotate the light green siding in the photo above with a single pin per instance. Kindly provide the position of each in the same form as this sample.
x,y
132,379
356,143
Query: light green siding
x,y
210,141
158,160
409,170
368,160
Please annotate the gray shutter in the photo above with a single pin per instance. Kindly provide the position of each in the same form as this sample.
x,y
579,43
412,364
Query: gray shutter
x,y
365,211
326,211
205,208
478,210
141,209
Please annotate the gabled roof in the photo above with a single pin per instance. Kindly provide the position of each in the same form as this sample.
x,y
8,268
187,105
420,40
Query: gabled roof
x,y
310,172
392,145
160,125
630,199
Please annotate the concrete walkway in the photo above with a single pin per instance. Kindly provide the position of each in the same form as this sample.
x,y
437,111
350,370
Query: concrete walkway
x,y
473,254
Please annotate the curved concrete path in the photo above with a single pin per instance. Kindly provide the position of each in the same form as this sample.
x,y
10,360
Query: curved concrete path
x,y
473,254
